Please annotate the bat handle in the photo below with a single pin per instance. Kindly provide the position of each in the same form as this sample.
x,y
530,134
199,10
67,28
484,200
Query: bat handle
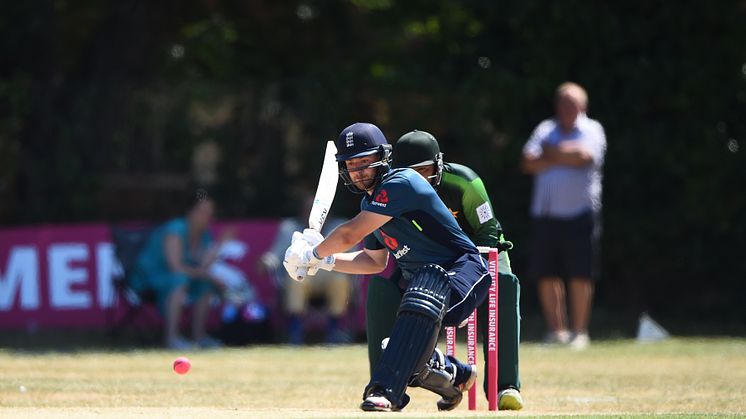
x,y
300,274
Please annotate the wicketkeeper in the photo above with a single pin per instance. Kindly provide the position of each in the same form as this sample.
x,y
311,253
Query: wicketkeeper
x,y
443,277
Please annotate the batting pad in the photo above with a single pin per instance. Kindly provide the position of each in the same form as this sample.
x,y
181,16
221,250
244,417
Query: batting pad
x,y
414,335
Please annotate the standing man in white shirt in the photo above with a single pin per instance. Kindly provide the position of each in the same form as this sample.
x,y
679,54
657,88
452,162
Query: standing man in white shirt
x,y
565,155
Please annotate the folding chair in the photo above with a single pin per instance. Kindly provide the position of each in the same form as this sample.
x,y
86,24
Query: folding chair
x,y
128,243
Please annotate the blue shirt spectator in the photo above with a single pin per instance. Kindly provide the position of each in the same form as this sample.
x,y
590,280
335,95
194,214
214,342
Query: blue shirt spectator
x,y
564,191
565,155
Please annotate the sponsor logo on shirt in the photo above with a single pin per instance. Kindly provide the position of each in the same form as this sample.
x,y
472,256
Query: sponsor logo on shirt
x,y
393,244
381,199
404,250
484,213
389,241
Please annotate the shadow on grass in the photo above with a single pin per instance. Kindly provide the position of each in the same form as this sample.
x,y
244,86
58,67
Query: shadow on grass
x,y
605,325
77,340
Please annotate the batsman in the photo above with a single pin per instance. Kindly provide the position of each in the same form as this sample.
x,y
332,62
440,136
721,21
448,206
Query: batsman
x,y
443,277
463,192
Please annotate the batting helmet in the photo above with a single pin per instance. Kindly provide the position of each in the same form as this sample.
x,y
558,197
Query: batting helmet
x,y
359,140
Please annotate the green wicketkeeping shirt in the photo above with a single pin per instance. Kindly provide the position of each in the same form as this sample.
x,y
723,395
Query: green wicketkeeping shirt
x,y
464,194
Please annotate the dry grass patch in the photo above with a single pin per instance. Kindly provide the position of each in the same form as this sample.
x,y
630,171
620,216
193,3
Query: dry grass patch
x,y
616,378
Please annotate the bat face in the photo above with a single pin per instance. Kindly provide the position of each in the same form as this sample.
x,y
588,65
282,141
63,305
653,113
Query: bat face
x,y
326,189
325,192
319,215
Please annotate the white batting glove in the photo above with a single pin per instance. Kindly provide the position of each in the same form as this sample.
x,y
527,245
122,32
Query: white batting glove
x,y
293,270
297,235
312,236
292,262
307,258
299,258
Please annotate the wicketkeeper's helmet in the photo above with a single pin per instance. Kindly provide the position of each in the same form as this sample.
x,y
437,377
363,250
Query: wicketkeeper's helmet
x,y
416,149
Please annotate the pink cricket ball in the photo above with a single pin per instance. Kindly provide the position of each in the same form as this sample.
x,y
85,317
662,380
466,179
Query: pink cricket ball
x,y
182,365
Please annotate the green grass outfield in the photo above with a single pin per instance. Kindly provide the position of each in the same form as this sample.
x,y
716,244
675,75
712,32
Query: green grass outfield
x,y
677,378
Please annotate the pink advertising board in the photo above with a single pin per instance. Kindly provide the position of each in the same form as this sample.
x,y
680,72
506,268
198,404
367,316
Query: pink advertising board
x,y
61,276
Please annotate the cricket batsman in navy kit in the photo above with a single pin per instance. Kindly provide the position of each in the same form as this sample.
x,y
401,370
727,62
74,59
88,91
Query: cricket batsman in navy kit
x,y
443,276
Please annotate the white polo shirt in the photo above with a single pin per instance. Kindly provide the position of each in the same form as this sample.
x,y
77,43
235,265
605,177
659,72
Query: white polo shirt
x,y
564,191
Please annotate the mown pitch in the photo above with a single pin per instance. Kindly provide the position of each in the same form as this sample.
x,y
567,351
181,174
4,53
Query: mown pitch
x,y
679,377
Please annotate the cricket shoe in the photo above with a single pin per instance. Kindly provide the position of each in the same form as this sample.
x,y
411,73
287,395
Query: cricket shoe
x,y
208,342
559,337
580,342
450,403
180,344
510,399
377,402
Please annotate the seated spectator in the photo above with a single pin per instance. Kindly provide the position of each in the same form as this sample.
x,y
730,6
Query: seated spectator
x,y
334,286
246,319
175,264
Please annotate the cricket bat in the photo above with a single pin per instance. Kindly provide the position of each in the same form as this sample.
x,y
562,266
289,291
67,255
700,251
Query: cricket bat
x,y
325,192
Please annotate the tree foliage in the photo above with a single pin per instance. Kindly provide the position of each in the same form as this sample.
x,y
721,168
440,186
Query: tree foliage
x,y
94,90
